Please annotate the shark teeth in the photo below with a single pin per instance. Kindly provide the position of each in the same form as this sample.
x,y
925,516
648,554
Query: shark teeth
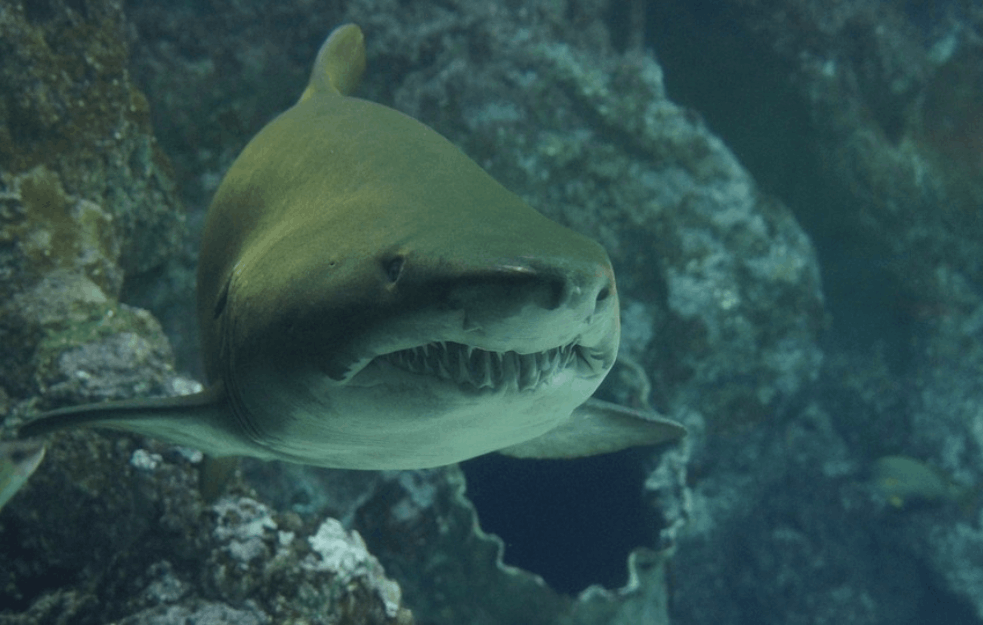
x,y
479,368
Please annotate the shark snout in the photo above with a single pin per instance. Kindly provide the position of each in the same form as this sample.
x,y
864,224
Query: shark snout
x,y
533,306
587,292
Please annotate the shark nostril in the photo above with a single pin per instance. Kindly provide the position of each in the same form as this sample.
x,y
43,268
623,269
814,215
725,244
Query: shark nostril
x,y
603,294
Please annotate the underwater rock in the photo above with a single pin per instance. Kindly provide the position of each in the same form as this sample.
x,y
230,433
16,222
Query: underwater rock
x,y
946,430
69,105
864,118
85,199
131,541
784,517
83,183
293,572
423,521
206,613
420,521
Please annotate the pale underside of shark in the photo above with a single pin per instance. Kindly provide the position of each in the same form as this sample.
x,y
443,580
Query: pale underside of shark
x,y
370,298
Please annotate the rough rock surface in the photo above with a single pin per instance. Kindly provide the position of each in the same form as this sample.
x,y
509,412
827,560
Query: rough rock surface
x,y
863,116
135,544
70,106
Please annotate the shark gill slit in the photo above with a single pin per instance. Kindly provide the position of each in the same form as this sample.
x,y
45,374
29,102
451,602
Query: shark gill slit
x,y
239,410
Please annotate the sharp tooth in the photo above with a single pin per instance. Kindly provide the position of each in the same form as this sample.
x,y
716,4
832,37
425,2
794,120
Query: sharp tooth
x,y
445,361
475,366
463,372
442,370
486,367
496,368
571,356
528,371
509,369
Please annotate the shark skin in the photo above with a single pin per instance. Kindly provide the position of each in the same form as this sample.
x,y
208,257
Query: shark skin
x,y
18,460
370,298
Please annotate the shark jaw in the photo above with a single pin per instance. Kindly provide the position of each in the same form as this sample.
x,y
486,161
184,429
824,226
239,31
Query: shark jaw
x,y
566,349
434,403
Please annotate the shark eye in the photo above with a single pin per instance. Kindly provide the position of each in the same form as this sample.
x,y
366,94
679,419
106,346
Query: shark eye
x,y
394,267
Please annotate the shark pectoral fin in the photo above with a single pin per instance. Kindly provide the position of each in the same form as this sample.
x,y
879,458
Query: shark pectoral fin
x,y
18,460
599,427
201,420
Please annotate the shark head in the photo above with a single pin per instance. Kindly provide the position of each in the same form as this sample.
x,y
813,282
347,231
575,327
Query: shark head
x,y
511,325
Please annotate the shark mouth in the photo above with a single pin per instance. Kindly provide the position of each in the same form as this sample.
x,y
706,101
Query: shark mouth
x,y
479,368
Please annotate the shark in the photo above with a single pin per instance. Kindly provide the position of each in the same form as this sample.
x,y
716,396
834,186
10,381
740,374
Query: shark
x,y
370,298
18,460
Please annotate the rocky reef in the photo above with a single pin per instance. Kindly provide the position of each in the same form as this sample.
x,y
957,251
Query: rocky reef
x,y
858,116
789,192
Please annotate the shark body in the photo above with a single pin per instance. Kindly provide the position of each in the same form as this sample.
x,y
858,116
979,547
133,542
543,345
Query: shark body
x,y
370,298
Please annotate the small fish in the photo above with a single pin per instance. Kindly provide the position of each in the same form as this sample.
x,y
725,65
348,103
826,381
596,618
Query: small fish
x,y
904,480
18,460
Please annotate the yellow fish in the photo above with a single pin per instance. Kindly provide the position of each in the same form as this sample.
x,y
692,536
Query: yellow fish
x,y
902,480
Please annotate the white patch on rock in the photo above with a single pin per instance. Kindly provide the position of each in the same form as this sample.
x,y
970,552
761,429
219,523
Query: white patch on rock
x,y
345,554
